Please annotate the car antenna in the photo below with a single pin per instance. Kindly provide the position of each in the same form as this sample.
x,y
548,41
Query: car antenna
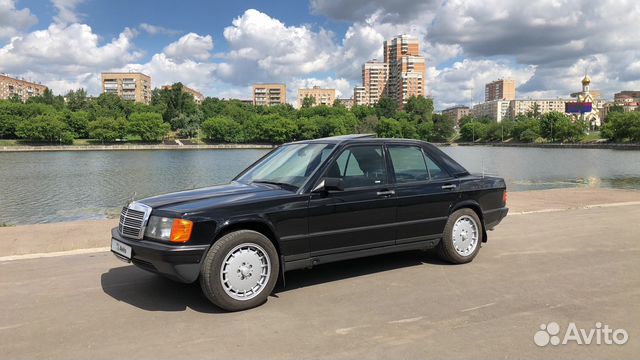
x,y
483,168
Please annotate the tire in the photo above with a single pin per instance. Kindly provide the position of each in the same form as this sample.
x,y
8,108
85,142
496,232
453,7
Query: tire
x,y
463,249
233,274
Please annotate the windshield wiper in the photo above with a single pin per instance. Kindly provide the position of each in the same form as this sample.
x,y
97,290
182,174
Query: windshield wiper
x,y
281,184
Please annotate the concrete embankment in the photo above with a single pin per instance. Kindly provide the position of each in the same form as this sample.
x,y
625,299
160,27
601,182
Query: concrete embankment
x,y
610,146
59,237
21,148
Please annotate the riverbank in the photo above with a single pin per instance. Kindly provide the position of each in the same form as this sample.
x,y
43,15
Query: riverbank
x,y
31,148
611,146
67,236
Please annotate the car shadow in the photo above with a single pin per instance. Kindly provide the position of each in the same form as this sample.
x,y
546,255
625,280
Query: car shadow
x,y
153,292
342,270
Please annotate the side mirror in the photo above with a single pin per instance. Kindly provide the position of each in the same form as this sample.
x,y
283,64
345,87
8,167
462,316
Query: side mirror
x,y
329,184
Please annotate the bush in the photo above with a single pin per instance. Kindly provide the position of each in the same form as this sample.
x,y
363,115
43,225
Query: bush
x,y
389,128
473,131
222,129
107,129
622,127
148,126
45,128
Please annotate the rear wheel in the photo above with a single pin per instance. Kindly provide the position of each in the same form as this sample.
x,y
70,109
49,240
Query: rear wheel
x,y
240,270
462,237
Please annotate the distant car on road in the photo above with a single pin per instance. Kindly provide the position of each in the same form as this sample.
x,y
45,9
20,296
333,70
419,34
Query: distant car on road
x,y
307,203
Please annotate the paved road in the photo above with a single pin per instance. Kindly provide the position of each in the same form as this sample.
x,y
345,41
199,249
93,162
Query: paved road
x,y
566,266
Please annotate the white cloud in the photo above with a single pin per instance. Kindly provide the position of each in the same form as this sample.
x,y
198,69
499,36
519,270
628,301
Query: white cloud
x,y
14,21
157,30
190,47
264,49
64,54
67,11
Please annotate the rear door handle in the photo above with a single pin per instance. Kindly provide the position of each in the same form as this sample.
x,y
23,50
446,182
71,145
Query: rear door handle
x,y
448,187
386,193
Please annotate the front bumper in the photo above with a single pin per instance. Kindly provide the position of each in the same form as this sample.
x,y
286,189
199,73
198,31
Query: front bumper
x,y
180,263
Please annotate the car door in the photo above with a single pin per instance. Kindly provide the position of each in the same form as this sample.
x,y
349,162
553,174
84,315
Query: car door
x,y
360,216
425,192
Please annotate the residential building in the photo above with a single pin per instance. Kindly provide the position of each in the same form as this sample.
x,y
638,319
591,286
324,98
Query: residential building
x,y
406,68
500,90
132,86
629,100
360,96
197,96
523,107
457,112
496,110
269,94
374,82
24,89
320,96
347,103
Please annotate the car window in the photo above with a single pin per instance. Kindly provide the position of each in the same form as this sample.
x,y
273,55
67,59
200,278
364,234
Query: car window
x,y
435,171
408,164
359,166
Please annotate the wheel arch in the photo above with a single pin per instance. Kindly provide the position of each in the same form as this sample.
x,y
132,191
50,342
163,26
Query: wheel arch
x,y
473,205
258,225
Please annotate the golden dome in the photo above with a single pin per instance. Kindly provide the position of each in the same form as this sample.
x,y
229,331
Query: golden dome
x,y
586,80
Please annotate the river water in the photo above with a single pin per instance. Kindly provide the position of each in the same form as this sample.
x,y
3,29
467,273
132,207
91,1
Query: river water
x,y
41,187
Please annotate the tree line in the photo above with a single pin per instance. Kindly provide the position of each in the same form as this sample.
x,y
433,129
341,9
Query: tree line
x,y
173,113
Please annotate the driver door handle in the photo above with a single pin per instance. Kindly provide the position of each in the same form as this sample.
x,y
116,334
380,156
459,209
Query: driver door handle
x,y
448,187
386,193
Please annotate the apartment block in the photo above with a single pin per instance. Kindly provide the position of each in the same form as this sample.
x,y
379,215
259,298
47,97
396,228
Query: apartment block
x,y
522,107
360,96
347,103
456,112
197,96
130,86
496,110
406,68
24,89
500,90
374,82
321,96
630,100
269,94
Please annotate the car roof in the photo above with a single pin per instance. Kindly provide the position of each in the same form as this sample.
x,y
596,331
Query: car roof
x,y
355,138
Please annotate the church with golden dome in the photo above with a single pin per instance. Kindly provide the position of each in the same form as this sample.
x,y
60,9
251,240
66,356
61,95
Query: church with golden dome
x,y
587,95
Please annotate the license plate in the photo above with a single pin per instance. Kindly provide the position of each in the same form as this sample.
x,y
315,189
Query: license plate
x,y
120,248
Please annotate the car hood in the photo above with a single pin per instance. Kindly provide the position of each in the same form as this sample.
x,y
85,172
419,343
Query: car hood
x,y
191,200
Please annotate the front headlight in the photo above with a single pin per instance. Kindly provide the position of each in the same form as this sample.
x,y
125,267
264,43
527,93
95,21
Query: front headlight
x,y
169,229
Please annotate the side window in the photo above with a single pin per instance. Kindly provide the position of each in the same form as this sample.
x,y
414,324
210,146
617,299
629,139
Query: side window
x,y
435,171
360,166
408,164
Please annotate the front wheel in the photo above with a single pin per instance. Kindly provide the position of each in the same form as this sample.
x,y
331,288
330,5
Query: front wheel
x,y
240,270
462,237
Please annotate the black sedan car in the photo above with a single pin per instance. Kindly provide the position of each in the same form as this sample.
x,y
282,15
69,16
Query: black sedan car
x,y
307,203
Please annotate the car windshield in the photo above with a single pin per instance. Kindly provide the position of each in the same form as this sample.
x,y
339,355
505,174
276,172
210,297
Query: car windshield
x,y
288,166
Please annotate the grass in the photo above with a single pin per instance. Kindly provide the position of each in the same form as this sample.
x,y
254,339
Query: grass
x,y
6,225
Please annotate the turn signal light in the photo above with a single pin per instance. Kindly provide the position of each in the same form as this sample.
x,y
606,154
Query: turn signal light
x,y
505,196
181,231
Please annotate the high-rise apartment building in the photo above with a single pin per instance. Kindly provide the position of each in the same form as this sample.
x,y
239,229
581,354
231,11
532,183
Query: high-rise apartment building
x,y
320,96
400,76
197,95
269,94
407,68
131,86
500,90
360,95
24,89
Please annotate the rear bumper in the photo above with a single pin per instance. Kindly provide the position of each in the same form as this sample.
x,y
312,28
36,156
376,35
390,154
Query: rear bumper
x,y
180,263
493,217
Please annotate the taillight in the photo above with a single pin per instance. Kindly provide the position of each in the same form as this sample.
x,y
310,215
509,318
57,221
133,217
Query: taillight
x,y
505,196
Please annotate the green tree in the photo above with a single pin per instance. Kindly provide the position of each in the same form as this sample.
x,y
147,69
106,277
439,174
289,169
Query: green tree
x,y
15,98
386,107
77,122
148,126
473,131
107,129
554,125
308,101
534,111
622,127
222,129
45,128
362,111
443,128
389,128
8,123
77,100
420,108
308,129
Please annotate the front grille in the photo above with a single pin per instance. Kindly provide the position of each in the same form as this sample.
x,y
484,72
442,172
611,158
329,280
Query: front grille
x,y
132,220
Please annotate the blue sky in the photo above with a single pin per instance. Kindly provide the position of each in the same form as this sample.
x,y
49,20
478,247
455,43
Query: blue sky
x,y
221,47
